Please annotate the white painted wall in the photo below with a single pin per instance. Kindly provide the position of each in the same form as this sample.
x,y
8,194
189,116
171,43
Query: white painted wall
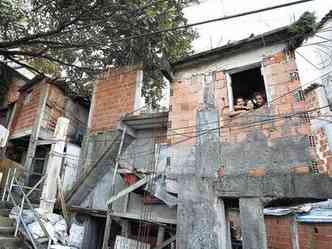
x,y
314,62
243,59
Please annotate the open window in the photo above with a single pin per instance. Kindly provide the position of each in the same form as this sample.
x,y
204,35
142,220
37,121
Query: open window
x,y
245,84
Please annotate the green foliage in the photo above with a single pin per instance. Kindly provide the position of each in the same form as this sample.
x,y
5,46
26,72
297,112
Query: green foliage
x,y
81,38
303,28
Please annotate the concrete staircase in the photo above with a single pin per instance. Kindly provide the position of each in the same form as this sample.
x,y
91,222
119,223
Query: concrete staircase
x,y
7,229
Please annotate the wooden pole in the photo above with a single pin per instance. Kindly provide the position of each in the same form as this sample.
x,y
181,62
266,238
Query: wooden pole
x,y
49,193
107,229
109,207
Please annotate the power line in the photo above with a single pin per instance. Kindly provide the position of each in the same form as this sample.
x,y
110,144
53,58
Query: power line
x,y
212,20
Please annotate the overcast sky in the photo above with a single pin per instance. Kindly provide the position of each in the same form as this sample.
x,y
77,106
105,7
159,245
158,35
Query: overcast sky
x,y
218,33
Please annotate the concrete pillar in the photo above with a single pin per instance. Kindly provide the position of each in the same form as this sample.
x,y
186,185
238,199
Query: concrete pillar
x,y
161,235
295,233
201,221
54,166
252,223
125,226
228,231
90,238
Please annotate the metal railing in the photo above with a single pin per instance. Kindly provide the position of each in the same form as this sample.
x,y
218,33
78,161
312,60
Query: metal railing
x,y
11,182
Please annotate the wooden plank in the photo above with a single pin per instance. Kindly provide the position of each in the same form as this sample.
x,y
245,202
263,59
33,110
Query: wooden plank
x,y
107,230
127,190
62,201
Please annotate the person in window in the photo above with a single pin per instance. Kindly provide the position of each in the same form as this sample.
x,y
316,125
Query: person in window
x,y
259,100
239,107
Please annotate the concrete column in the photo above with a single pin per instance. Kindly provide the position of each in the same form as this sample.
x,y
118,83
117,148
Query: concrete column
x,y
201,222
295,233
125,228
161,235
228,231
252,223
90,238
54,166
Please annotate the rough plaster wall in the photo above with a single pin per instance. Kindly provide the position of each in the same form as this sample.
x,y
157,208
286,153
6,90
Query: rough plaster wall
x,y
140,154
197,201
135,206
78,115
235,61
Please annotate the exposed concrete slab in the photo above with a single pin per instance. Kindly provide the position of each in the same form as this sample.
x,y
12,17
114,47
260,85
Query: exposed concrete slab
x,y
276,186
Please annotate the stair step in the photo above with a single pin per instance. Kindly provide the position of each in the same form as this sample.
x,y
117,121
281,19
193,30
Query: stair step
x,y
7,230
11,243
4,212
6,221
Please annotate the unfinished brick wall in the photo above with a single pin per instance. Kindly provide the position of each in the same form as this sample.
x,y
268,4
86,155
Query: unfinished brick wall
x,y
114,96
318,137
258,142
315,236
27,107
278,231
54,107
186,99
263,141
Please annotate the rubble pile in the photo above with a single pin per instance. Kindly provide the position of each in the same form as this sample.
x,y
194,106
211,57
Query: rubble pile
x,y
56,227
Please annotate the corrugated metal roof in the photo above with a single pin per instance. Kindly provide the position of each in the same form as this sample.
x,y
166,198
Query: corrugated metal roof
x,y
320,212
316,215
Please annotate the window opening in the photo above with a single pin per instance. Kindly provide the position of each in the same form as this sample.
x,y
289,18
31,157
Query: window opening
x,y
248,89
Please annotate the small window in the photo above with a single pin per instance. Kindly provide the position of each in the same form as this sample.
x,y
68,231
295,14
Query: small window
x,y
27,98
245,84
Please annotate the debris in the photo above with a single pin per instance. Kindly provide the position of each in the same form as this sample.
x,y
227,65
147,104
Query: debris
x,y
76,235
55,225
158,189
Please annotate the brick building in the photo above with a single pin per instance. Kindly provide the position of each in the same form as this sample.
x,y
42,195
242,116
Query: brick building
x,y
313,59
157,176
32,106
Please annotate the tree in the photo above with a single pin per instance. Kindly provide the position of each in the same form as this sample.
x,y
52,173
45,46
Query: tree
x,y
83,37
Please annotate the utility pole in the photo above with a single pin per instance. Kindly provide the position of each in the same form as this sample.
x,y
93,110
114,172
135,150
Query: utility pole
x,y
54,165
